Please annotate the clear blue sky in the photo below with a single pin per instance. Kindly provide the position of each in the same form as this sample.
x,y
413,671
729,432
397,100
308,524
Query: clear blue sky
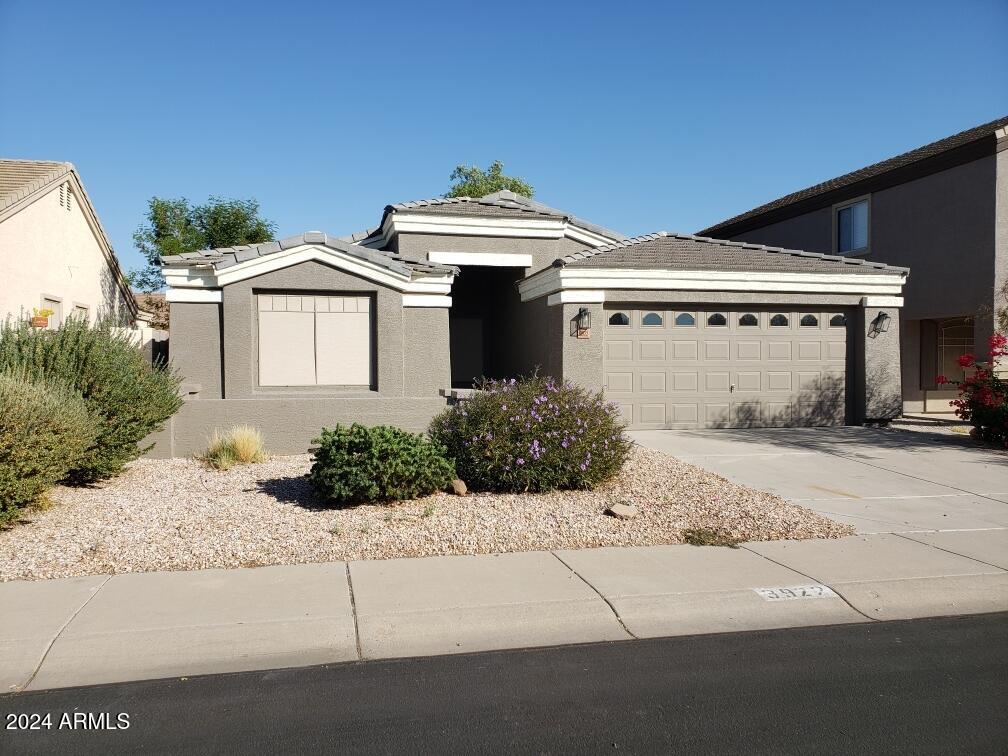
x,y
637,116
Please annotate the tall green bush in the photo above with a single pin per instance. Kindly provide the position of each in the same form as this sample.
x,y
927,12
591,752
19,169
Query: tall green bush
x,y
127,398
535,434
360,464
44,430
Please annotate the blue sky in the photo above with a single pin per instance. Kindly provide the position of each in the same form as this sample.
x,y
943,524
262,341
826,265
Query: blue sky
x,y
637,116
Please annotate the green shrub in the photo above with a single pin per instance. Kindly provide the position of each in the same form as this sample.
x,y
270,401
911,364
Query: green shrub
x,y
534,434
127,398
44,430
360,464
241,445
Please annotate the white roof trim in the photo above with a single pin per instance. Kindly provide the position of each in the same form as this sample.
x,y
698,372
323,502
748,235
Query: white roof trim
x,y
460,225
554,280
576,296
489,259
203,276
426,300
193,295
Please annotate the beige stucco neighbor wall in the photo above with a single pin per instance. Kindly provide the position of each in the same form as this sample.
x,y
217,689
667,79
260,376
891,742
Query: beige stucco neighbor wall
x,y
47,250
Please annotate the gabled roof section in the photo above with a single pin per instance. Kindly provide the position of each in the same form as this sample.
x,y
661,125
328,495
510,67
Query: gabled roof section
x,y
226,257
20,179
502,204
668,251
962,139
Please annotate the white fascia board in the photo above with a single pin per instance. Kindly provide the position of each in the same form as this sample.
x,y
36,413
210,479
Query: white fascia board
x,y
456,225
208,278
877,301
426,300
489,259
563,279
590,238
576,296
193,295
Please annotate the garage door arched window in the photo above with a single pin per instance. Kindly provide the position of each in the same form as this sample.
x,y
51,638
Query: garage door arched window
x,y
684,319
619,319
838,321
652,319
716,320
748,320
779,320
809,321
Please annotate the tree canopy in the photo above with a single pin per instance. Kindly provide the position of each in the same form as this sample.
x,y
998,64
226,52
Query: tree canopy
x,y
472,181
173,226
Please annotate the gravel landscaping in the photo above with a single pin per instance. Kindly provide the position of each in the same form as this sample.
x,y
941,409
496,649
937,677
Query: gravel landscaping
x,y
179,515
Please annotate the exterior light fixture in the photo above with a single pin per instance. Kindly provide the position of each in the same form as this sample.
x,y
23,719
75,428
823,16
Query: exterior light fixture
x,y
879,325
581,324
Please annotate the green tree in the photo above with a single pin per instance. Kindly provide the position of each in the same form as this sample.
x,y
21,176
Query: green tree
x,y
472,181
173,226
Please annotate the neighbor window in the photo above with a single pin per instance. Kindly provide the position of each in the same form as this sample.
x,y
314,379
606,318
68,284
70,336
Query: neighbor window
x,y
779,320
838,320
809,321
80,312
717,319
852,227
684,319
652,319
314,341
56,306
748,319
619,319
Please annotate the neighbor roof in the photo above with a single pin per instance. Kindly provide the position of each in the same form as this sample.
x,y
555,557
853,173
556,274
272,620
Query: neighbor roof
x,y
664,250
22,178
934,149
502,204
225,257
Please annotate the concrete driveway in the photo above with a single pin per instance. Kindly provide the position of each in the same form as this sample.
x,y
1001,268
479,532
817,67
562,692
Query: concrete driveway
x,y
880,481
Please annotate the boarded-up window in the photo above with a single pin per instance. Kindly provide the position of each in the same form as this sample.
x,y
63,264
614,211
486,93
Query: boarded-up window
x,y
314,340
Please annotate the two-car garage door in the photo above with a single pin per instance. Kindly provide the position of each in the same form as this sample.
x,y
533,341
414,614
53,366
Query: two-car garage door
x,y
695,367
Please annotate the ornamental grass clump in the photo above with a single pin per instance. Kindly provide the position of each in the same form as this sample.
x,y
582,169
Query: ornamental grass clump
x,y
127,398
242,445
44,429
534,434
357,464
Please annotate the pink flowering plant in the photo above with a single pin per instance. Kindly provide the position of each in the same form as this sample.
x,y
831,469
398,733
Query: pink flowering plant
x,y
983,395
533,434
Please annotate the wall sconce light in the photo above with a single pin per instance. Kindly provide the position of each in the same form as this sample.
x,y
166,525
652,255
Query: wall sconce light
x,y
879,325
581,324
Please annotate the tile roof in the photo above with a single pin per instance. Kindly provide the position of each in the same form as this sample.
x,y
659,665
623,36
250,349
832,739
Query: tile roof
x,y
502,204
665,250
22,178
907,158
225,257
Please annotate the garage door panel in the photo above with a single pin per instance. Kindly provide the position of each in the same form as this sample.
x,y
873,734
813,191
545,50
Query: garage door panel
x,y
735,375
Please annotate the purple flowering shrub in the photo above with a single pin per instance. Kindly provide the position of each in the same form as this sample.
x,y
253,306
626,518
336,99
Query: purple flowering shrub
x,y
532,434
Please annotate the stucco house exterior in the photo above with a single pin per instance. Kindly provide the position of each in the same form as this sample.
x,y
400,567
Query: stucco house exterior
x,y
54,253
386,325
941,209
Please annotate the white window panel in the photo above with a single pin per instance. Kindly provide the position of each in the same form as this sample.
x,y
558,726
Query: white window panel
x,y
343,347
286,348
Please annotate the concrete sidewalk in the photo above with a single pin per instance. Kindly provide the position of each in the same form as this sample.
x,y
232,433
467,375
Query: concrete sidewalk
x,y
82,631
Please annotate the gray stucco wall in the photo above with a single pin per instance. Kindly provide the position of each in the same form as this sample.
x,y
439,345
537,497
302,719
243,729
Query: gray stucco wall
x,y
878,384
426,357
543,251
195,345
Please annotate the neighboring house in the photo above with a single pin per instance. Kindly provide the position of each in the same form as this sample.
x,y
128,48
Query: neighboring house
x,y
381,326
942,210
54,253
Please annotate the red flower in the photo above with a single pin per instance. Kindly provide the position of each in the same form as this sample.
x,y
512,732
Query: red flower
x,y
941,380
998,341
967,360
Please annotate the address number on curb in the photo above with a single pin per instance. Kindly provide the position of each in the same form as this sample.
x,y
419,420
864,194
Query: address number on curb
x,y
796,592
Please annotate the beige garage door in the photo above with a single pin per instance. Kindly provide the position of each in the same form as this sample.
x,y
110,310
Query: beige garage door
x,y
706,368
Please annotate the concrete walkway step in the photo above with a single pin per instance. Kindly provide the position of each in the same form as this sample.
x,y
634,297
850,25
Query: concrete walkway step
x,y
82,631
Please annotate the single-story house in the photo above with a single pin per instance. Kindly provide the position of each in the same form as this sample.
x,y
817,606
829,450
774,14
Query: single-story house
x,y
54,253
941,209
384,326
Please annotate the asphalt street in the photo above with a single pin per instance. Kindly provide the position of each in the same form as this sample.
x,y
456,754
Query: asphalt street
x,y
922,686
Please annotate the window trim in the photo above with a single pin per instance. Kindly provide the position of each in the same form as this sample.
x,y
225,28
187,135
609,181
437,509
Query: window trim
x,y
56,319
675,318
843,315
785,315
740,324
619,325
807,315
710,315
835,210
645,313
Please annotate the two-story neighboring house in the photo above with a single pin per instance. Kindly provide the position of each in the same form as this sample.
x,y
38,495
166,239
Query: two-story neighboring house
x,y
940,210
54,253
